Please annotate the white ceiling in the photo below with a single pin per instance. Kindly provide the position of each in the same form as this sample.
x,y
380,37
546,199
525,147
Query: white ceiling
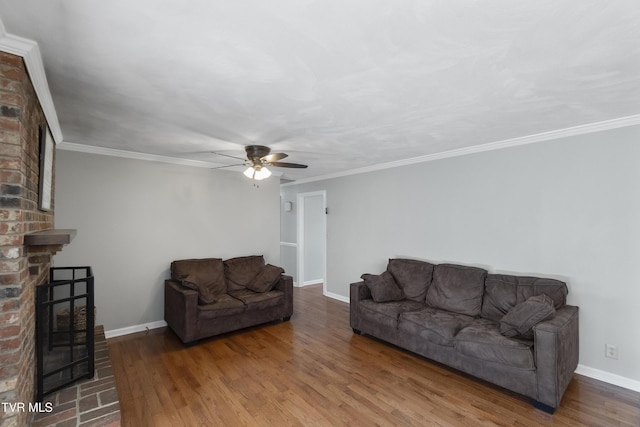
x,y
338,85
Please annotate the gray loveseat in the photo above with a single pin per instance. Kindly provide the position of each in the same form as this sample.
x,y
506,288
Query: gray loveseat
x,y
209,296
516,332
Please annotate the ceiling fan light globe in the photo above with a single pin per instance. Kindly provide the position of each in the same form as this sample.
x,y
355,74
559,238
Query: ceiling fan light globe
x,y
262,173
249,172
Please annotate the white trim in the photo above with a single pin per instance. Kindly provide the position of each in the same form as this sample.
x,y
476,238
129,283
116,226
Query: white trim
x,y
609,378
336,296
289,244
307,283
91,149
514,142
134,329
30,53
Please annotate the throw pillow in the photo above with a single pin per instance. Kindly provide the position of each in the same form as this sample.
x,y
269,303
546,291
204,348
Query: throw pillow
x,y
182,278
502,292
266,280
204,275
383,287
520,320
204,295
412,276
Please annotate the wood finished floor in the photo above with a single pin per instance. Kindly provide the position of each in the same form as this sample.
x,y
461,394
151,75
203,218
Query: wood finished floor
x,y
313,371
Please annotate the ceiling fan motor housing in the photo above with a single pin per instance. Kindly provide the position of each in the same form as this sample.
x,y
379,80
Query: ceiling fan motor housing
x,y
255,153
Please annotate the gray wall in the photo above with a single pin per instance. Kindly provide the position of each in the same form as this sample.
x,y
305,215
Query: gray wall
x,y
568,209
134,217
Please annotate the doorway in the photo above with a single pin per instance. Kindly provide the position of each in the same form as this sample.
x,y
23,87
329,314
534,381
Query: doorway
x,y
312,239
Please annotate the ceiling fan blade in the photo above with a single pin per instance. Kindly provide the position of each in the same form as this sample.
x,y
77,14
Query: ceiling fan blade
x,y
226,155
274,157
230,166
287,165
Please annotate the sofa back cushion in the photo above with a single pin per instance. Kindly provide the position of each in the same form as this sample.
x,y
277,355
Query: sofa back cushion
x,y
205,275
240,271
412,276
503,292
457,288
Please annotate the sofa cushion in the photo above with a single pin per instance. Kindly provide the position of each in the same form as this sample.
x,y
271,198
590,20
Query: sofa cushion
x,y
205,275
266,279
242,270
483,340
457,288
433,325
382,287
503,292
225,305
385,313
258,300
412,276
521,319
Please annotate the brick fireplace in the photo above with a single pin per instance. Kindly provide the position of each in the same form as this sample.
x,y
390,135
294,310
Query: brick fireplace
x,y
22,267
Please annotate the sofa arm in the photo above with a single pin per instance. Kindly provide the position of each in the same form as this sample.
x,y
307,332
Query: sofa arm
x,y
556,344
285,284
358,292
181,310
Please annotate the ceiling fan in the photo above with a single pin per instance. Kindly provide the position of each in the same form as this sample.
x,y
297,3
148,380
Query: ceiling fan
x,y
258,158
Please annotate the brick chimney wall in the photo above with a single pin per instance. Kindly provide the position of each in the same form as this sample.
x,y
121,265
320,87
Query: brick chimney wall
x,y
22,268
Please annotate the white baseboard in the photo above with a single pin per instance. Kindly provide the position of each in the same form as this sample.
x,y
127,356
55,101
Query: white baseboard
x,y
336,296
307,283
608,377
133,329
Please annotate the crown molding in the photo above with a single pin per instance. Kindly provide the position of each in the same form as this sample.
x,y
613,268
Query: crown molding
x,y
513,142
102,151
30,52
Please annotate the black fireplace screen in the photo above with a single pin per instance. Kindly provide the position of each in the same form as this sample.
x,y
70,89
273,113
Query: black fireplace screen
x,y
65,317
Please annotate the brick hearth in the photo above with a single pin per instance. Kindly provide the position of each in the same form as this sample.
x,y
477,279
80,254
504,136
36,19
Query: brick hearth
x,y
89,403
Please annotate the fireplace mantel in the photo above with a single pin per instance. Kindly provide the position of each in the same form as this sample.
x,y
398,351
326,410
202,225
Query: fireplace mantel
x,y
50,237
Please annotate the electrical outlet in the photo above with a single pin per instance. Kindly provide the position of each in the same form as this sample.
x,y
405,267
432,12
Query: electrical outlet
x,y
611,351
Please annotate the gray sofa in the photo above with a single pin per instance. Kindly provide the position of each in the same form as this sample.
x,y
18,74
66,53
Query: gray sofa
x,y
209,296
516,332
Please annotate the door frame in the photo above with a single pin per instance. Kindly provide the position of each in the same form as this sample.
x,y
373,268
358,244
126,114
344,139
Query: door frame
x,y
300,222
